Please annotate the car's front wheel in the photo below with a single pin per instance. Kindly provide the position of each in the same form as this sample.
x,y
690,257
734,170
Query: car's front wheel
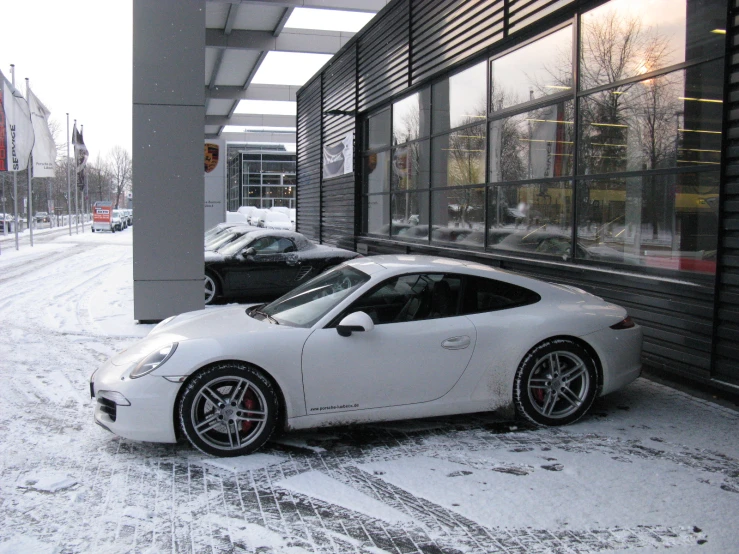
x,y
556,383
211,288
229,410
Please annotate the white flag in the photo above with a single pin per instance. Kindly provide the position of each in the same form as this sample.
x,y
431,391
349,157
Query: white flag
x,y
44,149
16,130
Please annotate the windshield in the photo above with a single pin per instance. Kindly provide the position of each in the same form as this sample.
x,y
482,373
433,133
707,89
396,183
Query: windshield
x,y
233,248
305,305
219,240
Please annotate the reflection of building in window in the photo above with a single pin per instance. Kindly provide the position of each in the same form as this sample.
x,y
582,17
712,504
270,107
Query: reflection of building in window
x,y
620,166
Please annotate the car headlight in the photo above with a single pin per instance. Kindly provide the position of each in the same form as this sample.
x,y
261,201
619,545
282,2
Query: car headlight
x,y
153,361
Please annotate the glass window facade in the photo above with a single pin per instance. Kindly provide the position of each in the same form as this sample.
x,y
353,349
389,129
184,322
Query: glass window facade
x,y
261,178
596,143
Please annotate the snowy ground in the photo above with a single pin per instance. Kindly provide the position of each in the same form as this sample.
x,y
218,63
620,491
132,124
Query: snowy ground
x,y
652,469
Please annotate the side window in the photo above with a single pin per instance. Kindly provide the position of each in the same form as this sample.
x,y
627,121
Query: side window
x,y
488,295
273,245
285,245
410,298
264,245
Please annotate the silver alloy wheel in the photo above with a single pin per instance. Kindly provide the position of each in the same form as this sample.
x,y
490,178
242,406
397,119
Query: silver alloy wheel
x,y
559,384
210,289
228,413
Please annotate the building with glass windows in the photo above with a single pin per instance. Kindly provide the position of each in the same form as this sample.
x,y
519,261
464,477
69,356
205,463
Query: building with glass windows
x,y
261,176
584,142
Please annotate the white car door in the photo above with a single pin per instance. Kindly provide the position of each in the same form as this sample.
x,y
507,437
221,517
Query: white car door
x,y
415,353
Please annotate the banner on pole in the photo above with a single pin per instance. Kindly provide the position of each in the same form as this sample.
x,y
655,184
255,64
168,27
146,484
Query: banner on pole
x,y
80,156
44,149
16,130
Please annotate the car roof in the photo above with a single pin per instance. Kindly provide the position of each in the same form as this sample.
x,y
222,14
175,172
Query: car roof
x,y
388,265
404,262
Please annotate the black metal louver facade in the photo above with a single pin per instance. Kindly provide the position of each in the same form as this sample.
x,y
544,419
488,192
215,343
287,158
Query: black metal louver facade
x,y
338,198
435,49
382,56
308,192
691,325
726,355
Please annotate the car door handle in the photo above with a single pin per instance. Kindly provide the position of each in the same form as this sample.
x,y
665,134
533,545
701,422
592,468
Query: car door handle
x,y
456,343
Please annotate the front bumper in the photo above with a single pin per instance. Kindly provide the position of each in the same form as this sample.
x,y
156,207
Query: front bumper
x,y
140,409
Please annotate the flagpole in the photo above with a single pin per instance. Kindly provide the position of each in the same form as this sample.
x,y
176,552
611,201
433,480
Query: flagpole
x,y
5,215
82,192
30,185
15,180
69,192
76,195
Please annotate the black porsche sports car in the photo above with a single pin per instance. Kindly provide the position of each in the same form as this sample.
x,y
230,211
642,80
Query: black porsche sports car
x,y
266,264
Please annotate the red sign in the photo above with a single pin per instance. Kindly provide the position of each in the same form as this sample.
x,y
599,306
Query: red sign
x,y
102,212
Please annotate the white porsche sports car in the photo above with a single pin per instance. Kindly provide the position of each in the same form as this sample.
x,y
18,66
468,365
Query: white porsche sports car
x,y
376,338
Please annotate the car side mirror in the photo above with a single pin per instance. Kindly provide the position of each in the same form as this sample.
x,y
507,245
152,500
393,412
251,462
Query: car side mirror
x,y
248,252
355,322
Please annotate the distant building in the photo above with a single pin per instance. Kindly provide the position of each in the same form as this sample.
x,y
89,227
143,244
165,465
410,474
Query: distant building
x,y
261,176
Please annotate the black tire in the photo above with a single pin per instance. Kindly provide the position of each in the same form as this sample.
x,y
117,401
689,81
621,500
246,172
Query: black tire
x,y
212,288
229,410
556,383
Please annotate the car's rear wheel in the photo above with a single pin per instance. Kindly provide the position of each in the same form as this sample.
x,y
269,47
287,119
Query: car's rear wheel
x,y
229,410
211,288
556,383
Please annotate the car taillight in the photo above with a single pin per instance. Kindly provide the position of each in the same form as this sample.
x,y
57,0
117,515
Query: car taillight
x,y
626,323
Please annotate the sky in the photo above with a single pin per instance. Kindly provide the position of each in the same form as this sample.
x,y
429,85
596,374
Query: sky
x,y
77,55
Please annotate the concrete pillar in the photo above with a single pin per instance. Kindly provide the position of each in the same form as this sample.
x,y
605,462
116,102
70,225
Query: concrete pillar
x,y
168,116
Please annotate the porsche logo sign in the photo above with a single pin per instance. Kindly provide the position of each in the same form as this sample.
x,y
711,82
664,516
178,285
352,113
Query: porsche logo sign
x,y
211,156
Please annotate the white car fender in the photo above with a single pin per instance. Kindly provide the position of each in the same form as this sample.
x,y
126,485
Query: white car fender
x,y
281,364
498,360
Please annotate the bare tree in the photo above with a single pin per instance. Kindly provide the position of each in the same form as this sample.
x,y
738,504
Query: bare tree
x,y
120,166
99,181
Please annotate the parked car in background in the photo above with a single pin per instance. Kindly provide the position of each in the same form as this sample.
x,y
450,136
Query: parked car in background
x,y
255,215
275,220
266,263
246,210
281,209
236,217
293,216
117,220
375,339
218,229
229,235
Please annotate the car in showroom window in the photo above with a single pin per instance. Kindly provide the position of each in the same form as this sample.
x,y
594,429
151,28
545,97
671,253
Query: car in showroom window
x,y
374,339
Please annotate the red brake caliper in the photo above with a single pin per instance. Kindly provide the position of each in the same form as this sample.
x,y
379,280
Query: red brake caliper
x,y
250,401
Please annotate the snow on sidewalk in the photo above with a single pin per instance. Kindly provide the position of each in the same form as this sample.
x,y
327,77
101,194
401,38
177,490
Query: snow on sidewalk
x,y
651,469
